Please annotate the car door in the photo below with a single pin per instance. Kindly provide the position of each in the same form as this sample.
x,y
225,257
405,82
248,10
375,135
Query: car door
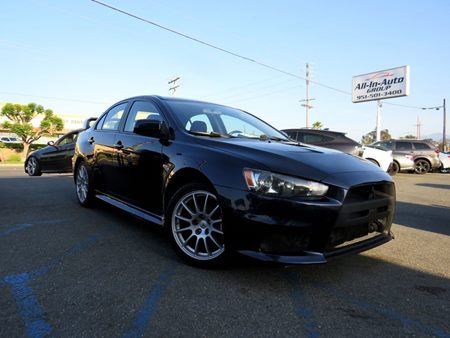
x,y
59,156
140,161
404,148
104,148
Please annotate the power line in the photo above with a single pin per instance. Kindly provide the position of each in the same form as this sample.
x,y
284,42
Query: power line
x,y
240,56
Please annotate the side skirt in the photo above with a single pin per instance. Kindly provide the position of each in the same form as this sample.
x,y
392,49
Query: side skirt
x,y
131,209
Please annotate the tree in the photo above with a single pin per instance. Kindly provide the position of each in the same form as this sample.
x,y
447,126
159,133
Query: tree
x,y
317,125
21,115
409,137
372,136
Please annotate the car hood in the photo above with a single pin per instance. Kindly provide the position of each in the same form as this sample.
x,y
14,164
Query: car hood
x,y
292,158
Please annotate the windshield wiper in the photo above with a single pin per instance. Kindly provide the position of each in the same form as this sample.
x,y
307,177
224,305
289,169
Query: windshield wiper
x,y
204,133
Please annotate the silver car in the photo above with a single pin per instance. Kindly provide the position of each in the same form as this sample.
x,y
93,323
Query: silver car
x,y
426,155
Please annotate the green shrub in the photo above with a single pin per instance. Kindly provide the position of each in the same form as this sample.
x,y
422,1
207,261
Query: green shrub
x,y
2,145
18,147
14,158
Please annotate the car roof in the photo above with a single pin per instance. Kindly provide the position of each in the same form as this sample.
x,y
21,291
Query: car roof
x,y
168,98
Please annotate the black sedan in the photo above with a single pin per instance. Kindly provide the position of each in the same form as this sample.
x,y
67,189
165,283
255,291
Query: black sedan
x,y
220,180
55,158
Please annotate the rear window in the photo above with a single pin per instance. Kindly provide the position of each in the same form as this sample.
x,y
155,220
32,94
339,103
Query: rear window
x,y
314,139
403,146
422,146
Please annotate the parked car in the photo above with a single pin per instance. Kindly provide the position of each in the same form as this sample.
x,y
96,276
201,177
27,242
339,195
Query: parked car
x,y
400,163
445,161
324,138
426,155
220,180
403,163
55,158
338,140
379,157
9,139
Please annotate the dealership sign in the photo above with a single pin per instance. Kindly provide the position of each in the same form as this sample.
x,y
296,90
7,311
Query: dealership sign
x,y
381,85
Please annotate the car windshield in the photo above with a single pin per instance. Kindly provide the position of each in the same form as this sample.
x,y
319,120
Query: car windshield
x,y
381,146
214,120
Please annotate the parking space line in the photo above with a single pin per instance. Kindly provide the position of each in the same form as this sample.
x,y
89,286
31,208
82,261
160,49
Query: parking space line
x,y
71,252
30,309
146,312
22,226
300,303
15,228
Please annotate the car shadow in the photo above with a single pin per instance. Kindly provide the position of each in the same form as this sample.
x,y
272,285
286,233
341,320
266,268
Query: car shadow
x,y
436,186
434,218
364,290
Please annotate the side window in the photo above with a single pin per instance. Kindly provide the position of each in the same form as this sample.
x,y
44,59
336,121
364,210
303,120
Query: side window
x,y
385,144
313,139
199,123
71,138
292,135
100,122
422,146
403,146
141,110
112,119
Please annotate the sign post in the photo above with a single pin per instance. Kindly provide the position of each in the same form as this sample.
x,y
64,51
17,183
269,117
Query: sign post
x,y
381,85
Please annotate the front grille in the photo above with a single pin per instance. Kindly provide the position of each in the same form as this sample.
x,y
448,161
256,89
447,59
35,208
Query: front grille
x,y
278,243
367,209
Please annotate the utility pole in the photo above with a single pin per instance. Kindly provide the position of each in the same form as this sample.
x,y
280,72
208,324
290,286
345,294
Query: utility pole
x,y
418,125
173,85
444,141
378,128
444,131
306,104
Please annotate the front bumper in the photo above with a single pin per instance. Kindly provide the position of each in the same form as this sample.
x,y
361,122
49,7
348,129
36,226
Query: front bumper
x,y
308,232
312,257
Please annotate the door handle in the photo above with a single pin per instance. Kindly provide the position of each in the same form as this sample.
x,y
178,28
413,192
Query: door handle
x,y
118,145
91,140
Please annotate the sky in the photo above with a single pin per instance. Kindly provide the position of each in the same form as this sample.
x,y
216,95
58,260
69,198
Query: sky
x,y
79,57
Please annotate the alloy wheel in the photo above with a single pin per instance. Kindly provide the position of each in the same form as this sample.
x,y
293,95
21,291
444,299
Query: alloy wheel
x,y
82,183
197,226
31,166
422,167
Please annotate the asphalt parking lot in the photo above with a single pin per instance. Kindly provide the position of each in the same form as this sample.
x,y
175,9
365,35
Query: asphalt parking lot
x,y
75,272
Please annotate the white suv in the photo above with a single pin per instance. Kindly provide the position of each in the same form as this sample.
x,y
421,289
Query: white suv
x,y
382,158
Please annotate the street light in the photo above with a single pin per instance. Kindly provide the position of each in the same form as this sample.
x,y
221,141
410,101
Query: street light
x,y
444,141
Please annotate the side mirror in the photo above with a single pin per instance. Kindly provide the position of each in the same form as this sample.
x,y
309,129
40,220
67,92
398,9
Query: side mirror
x,y
51,143
89,122
152,128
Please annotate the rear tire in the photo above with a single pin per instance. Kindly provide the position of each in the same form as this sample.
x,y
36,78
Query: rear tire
x,y
33,167
421,167
194,221
83,185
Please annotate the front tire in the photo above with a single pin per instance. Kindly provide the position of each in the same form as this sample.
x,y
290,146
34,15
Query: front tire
x,y
421,167
83,185
194,220
33,167
395,169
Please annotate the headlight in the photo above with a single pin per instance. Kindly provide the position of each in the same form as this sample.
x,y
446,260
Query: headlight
x,y
284,186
